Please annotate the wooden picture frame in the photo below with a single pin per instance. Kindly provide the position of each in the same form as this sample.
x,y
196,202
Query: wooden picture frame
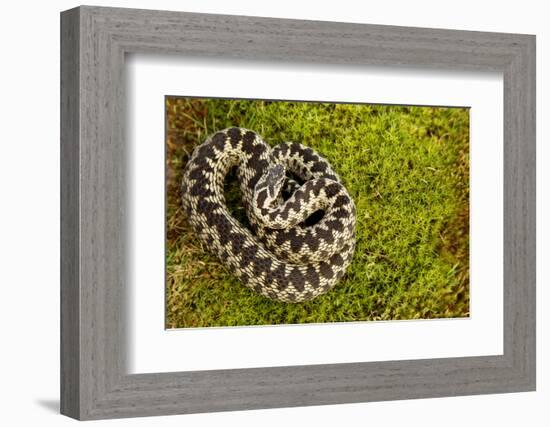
x,y
94,382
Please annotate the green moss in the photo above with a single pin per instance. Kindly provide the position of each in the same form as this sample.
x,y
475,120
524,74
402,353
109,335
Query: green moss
x,y
407,169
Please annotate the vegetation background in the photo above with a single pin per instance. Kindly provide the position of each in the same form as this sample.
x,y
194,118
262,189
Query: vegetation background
x,y
407,168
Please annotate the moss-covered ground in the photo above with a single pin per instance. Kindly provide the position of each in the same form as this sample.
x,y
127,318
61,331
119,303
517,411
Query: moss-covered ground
x,y
407,169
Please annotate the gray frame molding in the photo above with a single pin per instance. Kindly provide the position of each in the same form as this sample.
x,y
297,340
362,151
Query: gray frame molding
x,y
94,41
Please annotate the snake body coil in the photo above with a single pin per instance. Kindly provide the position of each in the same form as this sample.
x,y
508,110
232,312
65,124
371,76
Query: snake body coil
x,y
281,255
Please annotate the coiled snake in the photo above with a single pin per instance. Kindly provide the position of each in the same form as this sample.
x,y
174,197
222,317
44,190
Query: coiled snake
x,y
281,255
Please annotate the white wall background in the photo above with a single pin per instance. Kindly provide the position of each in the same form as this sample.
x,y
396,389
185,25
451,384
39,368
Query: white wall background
x,y
29,213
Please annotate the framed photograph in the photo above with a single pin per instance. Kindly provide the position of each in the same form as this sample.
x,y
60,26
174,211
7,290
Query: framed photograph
x,y
261,213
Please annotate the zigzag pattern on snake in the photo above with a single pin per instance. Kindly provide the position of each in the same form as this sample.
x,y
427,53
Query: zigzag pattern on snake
x,y
281,255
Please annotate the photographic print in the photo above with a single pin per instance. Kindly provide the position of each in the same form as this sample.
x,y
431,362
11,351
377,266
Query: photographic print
x,y
292,212
174,209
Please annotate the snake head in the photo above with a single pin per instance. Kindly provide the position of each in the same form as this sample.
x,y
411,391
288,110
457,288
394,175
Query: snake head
x,y
269,186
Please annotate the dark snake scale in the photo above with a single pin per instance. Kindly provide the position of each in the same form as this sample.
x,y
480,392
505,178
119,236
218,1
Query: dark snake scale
x,y
282,255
